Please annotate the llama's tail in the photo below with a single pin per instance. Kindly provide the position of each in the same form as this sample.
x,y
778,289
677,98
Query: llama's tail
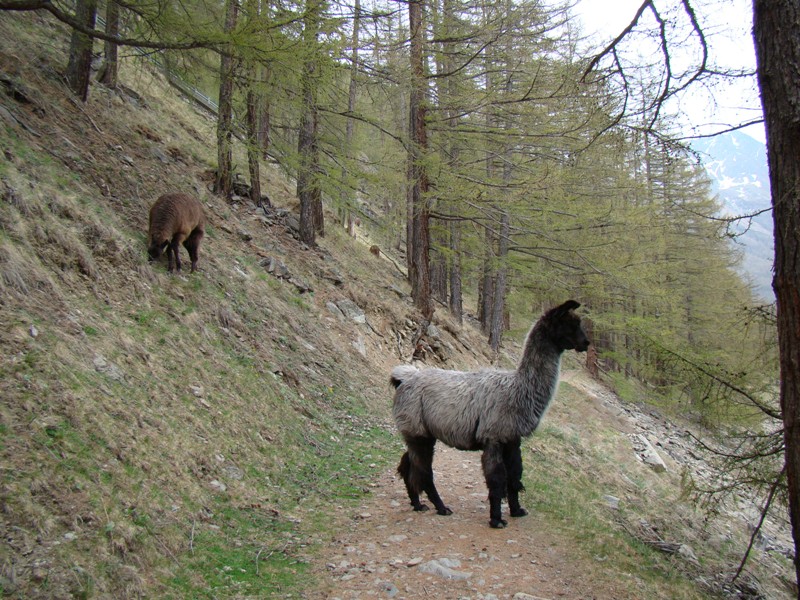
x,y
400,374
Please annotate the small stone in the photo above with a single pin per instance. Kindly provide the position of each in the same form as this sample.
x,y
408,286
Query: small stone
x,y
414,561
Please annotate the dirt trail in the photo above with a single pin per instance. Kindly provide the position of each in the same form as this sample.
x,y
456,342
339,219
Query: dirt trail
x,y
387,553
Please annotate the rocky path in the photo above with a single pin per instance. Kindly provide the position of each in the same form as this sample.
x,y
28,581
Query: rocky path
x,y
392,552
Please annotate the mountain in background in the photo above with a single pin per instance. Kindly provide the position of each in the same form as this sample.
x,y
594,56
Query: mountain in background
x,y
737,166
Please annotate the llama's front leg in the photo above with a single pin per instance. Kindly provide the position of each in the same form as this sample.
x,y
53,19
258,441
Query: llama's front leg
x,y
175,250
494,470
512,458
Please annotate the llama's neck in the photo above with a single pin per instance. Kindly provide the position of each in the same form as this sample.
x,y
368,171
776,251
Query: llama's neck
x,y
537,375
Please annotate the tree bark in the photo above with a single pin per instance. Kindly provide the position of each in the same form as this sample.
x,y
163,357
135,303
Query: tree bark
x,y
308,190
223,184
486,291
420,228
253,147
108,73
497,321
456,299
79,68
776,28
346,211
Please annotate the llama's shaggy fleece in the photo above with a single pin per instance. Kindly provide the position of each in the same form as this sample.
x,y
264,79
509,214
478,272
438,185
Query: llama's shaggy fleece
x,y
488,410
176,219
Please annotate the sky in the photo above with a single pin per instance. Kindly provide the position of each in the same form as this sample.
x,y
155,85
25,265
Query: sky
x,y
728,26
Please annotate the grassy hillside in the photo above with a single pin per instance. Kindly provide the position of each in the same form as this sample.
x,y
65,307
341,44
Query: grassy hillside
x,y
205,435
156,427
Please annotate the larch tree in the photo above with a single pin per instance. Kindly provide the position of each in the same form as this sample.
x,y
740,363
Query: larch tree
x,y
223,184
79,68
308,185
776,29
110,69
418,182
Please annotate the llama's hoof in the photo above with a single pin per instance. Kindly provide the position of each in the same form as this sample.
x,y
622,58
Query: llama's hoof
x,y
420,507
498,523
444,511
520,512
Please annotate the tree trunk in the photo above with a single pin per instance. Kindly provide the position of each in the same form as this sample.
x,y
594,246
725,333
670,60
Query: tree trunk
x,y
486,292
110,68
776,28
497,322
253,148
224,181
346,211
420,231
308,191
79,68
456,300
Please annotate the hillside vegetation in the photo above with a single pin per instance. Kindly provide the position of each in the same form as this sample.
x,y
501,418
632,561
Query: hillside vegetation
x,y
209,435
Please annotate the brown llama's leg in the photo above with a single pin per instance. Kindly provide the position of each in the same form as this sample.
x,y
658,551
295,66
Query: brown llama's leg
x,y
192,245
174,250
494,471
512,458
420,456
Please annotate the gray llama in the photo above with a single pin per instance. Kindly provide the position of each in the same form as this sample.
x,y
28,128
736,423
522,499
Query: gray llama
x,y
487,410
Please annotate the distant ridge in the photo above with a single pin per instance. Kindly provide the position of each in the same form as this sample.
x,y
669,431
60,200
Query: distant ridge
x,y
737,166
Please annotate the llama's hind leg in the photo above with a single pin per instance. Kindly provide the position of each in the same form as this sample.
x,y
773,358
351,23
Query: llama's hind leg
x,y
494,470
420,454
512,458
192,245
404,469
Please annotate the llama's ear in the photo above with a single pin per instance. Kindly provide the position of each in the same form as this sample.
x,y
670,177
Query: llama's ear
x,y
569,305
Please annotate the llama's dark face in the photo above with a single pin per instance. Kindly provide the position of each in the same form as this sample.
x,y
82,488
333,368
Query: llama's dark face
x,y
156,249
567,328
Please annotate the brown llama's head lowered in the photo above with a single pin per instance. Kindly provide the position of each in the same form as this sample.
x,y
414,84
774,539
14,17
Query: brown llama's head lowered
x,y
176,219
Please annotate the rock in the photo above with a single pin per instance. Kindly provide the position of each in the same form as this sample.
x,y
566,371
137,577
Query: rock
x,y
233,472
360,346
611,501
397,538
335,310
417,560
435,567
301,285
400,293
101,365
388,587
688,554
648,454
524,596
275,267
352,311
334,276
218,485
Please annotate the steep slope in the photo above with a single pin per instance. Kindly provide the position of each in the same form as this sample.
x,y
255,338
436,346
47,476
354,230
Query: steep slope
x,y
217,435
